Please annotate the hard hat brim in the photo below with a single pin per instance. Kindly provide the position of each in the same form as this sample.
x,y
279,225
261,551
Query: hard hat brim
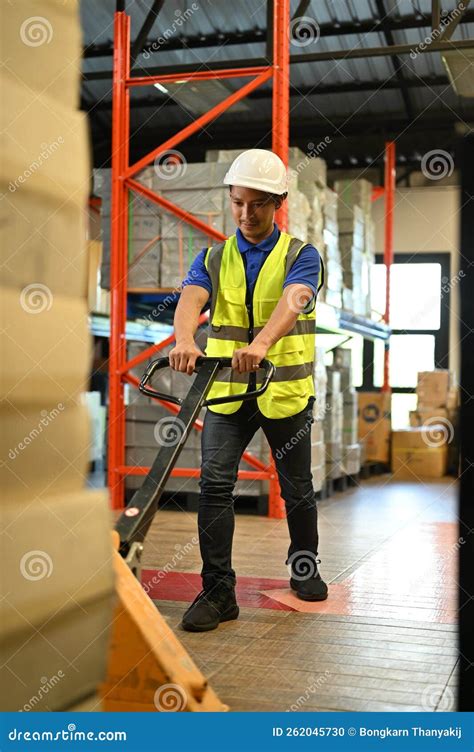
x,y
255,184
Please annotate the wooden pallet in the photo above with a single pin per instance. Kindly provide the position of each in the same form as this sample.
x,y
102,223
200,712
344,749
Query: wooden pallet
x,y
370,469
147,667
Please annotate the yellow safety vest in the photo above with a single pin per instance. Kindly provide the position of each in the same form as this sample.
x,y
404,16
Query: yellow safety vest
x,y
231,328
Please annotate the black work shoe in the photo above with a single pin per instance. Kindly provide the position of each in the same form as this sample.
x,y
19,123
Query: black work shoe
x,y
308,586
209,609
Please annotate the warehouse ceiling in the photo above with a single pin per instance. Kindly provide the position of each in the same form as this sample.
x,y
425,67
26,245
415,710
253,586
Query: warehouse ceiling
x,y
358,102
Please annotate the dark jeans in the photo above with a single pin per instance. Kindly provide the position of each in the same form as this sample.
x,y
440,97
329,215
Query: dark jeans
x,y
224,439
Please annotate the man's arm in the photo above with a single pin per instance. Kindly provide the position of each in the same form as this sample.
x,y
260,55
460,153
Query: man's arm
x,y
295,297
192,300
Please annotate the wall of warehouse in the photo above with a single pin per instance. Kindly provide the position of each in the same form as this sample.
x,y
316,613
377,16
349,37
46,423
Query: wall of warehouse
x,y
427,221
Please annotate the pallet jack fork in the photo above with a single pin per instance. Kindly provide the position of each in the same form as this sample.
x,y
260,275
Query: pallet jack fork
x,y
136,519
147,667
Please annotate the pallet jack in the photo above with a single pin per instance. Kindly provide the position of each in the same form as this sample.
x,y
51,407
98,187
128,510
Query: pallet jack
x,y
135,521
147,668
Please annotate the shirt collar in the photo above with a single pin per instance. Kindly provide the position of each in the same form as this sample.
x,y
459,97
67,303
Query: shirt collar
x,y
267,244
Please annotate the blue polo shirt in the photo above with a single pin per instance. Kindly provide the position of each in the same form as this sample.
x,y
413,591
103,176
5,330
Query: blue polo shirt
x,y
305,269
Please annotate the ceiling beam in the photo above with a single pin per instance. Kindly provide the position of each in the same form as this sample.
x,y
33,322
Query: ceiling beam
x,y
155,99
147,26
455,17
356,52
363,136
396,63
257,35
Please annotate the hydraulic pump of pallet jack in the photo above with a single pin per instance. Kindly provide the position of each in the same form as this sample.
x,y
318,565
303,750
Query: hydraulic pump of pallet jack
x,y
132,526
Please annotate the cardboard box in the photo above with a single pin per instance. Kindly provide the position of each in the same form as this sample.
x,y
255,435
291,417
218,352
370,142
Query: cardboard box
x,y
419,437
43,241
54,159
423,414
375,424
433,387
46,347
45,450
417,463
61,581
44,50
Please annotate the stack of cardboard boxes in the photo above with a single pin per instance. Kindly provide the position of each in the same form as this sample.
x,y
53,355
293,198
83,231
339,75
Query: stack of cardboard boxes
x,y
423,450
332,290
198,189
374,425
144,232
56,615
355,242
437,398
318,452
419,452
350,443
333,424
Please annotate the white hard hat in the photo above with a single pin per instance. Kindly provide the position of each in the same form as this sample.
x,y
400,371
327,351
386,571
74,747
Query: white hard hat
x,y
259,169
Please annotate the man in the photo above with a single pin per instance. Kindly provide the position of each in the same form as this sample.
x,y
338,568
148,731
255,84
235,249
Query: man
x,y
262,286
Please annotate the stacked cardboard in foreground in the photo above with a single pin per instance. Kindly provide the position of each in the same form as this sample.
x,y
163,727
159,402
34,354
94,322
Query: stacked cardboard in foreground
x,y
57,609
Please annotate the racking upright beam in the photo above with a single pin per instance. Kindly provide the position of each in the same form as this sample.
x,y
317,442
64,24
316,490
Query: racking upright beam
x,y
119,243
122,182
389,185
280,145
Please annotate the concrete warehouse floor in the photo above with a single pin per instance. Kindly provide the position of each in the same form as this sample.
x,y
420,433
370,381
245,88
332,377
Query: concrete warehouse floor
x,y
384,640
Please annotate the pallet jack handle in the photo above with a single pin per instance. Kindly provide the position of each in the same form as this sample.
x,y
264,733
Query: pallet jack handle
x,y
160,363
133,524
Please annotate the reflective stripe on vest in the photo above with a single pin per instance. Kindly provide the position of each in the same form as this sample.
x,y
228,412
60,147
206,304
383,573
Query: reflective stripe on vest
x,y
292,355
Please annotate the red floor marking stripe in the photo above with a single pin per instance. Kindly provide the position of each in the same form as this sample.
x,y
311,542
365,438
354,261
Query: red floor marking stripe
x,y
412,576
184,586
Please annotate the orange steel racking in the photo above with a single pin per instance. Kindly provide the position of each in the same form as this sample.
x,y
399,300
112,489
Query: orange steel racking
x,y
123,181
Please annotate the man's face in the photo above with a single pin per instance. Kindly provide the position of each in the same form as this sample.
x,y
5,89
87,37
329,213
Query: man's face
x,y
253,212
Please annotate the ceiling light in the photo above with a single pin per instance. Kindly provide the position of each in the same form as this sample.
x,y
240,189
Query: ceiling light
x,y
162,88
